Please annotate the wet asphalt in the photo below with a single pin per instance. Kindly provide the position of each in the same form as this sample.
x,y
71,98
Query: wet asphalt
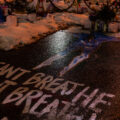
x,y
100,71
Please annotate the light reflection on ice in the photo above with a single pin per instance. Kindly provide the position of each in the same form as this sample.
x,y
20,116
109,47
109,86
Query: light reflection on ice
x,y
60,40
88,47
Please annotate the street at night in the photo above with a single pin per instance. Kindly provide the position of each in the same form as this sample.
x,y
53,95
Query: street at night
x,y
61,77
59,59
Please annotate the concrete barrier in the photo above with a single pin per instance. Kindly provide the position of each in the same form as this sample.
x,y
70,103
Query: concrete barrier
x,y
11,20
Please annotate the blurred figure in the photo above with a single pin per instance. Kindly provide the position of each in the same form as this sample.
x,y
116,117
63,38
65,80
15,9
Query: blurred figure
x,y
31,8
1,15
37,6
6,9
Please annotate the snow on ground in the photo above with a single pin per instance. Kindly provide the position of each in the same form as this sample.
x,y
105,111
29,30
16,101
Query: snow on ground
x,y
27,33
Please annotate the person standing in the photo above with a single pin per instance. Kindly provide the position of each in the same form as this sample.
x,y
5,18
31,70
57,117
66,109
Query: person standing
x,y
40,8
1,15
93,19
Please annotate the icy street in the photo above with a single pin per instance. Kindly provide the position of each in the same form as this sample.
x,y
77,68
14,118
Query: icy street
x,y
62,77
27,32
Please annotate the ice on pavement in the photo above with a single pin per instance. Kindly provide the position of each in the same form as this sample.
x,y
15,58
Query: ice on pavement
x,y
27,32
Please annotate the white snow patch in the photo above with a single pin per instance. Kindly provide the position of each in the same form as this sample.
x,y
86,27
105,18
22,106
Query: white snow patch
x,y
26,32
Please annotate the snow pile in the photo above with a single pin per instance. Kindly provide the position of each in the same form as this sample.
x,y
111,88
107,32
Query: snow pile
x,y
61,4
85,21
11,20
74,29
32,17
27,33
2,1
113,27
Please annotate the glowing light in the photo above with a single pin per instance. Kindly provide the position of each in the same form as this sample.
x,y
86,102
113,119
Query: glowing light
x,y
59,41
